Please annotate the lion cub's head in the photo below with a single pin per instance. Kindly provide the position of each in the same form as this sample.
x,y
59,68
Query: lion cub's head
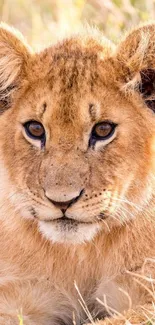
x,y
76,132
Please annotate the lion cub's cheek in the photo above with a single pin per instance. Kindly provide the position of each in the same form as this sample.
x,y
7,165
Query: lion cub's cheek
x,y
71,234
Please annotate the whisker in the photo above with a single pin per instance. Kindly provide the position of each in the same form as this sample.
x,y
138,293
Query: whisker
x,y
138,207
105,222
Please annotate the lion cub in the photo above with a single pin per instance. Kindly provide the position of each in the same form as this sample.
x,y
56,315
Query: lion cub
x,y
77,180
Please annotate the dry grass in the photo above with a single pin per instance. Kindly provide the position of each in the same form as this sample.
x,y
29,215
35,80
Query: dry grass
x,y
20,319
44,21
148,315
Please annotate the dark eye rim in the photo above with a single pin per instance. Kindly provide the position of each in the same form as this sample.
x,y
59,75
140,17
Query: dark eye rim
x,y
26,125
94,137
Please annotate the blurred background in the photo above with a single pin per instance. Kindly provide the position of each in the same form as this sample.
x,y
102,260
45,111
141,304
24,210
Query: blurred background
x,y
44,21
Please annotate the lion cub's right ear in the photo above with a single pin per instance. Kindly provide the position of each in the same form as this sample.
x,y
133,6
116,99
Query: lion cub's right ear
x,y
136,58
14,57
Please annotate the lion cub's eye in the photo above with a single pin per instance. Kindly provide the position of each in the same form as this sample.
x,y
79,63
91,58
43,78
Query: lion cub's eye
x,y
103,130
35,130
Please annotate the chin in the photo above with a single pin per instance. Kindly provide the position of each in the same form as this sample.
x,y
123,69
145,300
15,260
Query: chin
x,y
69,233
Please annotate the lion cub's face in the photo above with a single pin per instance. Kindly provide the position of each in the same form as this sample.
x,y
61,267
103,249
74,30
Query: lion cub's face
x,y
77,150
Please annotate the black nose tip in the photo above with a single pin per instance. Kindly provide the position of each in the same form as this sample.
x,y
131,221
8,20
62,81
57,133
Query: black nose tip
x,y
63,206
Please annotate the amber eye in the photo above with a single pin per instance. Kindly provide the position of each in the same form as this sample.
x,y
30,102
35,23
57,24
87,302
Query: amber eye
x,y
35,130
103,131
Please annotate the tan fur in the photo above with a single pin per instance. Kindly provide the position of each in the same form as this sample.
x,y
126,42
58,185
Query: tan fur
x,y
46,268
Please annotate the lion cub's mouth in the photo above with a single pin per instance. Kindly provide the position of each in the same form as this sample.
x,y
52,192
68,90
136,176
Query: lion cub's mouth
x,y
67,221
68,230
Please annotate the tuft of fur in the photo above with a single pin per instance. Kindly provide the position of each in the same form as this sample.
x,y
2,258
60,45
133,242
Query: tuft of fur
x,y
14,55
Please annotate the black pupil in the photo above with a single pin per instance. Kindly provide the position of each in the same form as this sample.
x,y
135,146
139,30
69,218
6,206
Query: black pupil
x,y
36,129
104,127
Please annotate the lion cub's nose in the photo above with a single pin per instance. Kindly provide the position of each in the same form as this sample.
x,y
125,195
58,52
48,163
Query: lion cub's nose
x,y
63,205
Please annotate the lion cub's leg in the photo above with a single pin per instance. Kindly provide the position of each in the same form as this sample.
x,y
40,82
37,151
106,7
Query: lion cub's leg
x,y
9,320
130,297
30,300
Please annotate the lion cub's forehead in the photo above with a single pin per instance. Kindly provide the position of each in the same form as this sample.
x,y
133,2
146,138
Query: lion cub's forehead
x,y
71,61
67,79
67,74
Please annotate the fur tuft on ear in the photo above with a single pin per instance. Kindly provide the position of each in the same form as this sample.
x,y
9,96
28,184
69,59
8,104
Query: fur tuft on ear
x,y
14,56
136,58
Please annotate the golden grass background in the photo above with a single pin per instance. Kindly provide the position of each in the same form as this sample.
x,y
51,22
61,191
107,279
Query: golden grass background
x,y
44,21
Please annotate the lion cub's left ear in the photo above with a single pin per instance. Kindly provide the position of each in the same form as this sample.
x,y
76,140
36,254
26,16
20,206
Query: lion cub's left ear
x,y
136,57
14,57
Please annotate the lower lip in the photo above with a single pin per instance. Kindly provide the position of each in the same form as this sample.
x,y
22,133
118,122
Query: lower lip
x,y
69,221
65,220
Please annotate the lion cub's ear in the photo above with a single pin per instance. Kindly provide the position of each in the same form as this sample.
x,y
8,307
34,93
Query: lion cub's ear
x,y
14,56
136,57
